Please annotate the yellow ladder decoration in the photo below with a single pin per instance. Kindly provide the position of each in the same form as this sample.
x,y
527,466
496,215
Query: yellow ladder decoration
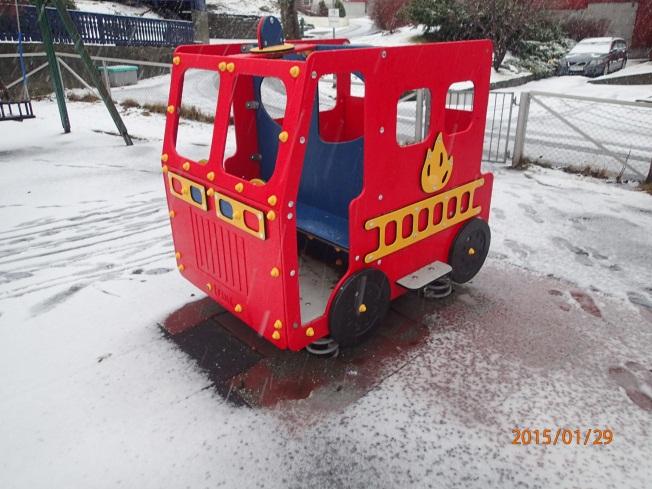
x,y
430,204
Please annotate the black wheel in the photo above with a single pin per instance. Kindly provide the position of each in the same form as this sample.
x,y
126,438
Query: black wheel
x,y
469,250
359,307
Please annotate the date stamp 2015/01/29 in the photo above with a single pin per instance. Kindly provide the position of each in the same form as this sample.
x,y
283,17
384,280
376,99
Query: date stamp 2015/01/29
x,y
562,436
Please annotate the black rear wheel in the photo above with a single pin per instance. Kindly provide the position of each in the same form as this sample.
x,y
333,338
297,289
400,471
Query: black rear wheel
x,y
469,250
359,307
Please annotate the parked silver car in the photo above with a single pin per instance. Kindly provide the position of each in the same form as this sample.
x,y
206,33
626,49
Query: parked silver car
x,y
595,56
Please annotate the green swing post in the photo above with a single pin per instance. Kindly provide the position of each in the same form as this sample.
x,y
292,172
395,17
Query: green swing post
x,y
55,74
91,70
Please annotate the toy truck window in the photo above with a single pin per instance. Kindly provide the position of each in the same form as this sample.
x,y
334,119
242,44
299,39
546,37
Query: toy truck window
x,y
197,113
257,111
413,116
327,92
341,103
273,97
459,107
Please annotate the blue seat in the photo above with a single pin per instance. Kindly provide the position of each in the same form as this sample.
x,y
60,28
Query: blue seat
x,y
330,179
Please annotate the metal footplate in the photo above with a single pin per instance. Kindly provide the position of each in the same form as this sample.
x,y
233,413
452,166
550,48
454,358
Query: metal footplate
x,y
424,275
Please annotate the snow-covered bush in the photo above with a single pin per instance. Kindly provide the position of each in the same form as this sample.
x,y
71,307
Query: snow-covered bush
x,y
539,58
340,6
322,9
505,22
388,14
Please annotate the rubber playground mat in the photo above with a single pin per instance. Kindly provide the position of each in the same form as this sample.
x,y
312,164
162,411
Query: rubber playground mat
x,y
538,321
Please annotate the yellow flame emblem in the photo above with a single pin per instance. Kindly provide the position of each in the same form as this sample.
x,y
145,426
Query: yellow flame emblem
x,y
437,167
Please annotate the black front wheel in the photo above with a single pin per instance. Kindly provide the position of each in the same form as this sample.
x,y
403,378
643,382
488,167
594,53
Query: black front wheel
x,y
469,250
359,307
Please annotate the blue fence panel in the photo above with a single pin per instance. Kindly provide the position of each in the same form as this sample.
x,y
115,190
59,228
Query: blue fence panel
x,y
119,30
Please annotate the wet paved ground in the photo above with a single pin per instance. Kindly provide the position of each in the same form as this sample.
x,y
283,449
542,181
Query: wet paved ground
x,y
537,322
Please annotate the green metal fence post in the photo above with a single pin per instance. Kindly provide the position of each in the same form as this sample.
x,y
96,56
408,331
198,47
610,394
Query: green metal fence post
x,y
55,73
92,70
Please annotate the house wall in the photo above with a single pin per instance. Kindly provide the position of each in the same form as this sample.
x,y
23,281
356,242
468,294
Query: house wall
x,y
620,17
629,20
355,8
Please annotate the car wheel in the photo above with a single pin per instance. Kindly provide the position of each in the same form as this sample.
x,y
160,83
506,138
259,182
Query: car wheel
x,y
469,250
359,307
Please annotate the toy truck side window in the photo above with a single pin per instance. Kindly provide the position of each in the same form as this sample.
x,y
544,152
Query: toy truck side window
x,y
341,101
197,113
458,113
413,114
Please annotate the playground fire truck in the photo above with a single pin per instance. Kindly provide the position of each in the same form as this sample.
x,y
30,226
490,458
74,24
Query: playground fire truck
x,y
325,211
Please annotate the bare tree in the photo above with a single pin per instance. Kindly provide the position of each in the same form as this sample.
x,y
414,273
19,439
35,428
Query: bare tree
x,y
289,19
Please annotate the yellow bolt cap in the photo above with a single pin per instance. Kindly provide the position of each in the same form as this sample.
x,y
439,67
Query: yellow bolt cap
x,y
237,308
278,324
164,157
310,332
181,267
471,251
172,214
276,335
271,200
222,66
170,109
294,71
164,168
239,187
186,166
209,286
283,136
230,67
271,215
275,272
176,60
210,192
362,308
210,175
177,255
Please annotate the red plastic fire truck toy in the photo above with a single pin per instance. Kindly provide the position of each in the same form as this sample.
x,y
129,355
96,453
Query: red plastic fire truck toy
x,y
328,208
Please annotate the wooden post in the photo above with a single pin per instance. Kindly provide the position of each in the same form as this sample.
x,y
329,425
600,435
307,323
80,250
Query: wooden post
x,y
55,72
92,70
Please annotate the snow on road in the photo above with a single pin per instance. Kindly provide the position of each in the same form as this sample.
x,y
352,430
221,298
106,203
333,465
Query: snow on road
x,y
92,395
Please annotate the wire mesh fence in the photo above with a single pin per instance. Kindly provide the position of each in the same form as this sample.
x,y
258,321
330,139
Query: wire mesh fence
x,y
595,136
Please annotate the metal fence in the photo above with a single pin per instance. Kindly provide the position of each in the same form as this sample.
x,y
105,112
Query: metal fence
x,y
414,115
498,130
103,29
609,137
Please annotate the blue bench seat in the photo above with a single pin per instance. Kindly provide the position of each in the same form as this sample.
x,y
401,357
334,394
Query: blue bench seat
x,y
323,225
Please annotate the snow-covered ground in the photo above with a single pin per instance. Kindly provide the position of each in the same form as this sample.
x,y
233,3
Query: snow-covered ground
x,y
114,8
243,7
92,395
633,67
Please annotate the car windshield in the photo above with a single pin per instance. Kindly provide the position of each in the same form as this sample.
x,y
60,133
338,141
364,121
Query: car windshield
x,y
591,47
